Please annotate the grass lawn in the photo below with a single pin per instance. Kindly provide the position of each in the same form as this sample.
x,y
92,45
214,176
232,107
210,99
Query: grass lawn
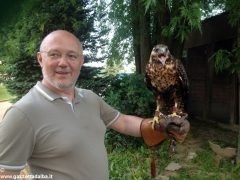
x,y
4,94
133,163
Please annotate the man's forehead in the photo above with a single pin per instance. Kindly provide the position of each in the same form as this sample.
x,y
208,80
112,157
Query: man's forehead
x,y
59,38
60,50
55,46
55,40
61,33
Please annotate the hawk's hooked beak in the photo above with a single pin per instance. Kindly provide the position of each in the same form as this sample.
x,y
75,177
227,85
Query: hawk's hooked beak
x,y
162,58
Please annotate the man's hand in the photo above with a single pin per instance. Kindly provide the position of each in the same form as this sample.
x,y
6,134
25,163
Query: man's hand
x,y
178,128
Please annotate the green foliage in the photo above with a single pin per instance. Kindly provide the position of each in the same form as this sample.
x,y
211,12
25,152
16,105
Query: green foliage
x,y
236,171
130,95
21,38
120,48
164,21
186,17
95,80
114,66
20,68
9,10
149,3
181,18
22,76
115,140
227,60
126,92
233,6
221,58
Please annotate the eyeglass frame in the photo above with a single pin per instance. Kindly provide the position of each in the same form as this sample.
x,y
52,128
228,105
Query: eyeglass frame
x,y
57,55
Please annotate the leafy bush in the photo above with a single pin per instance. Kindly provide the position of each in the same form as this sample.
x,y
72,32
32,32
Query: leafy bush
x,y
92,78
128,94
23,74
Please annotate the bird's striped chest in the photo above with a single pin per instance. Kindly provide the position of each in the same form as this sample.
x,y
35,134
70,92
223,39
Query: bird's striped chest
x,y
162,76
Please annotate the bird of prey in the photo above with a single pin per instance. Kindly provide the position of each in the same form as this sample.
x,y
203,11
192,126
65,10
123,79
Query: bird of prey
x,y
167,79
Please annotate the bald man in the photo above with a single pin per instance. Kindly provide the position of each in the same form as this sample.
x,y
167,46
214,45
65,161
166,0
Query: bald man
x,y
59,129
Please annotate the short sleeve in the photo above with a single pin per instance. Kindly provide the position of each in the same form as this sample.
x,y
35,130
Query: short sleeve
x,y
16,140
107,113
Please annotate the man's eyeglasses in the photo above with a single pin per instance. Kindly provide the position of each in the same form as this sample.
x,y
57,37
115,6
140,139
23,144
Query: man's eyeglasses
x,y
56,55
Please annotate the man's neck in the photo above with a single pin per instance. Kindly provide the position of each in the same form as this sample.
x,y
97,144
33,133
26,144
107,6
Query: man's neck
x,y
69,93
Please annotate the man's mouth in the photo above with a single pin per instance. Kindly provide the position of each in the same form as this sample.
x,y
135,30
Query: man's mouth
x,y
62,72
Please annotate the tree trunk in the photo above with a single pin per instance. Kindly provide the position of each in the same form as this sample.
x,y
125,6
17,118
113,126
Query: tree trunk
x,y
145,38
238,150
136,35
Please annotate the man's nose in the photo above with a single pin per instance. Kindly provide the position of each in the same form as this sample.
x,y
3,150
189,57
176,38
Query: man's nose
x,y
63,61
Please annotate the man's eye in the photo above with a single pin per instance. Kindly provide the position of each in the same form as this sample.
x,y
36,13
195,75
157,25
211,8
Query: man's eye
x,y
72,56
54,55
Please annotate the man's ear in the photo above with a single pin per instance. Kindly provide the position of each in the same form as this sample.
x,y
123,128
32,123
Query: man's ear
x,y
82,60
39,58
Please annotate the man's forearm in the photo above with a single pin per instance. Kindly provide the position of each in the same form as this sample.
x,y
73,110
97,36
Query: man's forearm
x,y
128,125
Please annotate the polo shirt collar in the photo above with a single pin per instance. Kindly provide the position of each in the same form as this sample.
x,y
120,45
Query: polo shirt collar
x,y
51,96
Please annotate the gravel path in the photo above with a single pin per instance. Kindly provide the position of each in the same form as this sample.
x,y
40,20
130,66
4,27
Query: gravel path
x,y
3,107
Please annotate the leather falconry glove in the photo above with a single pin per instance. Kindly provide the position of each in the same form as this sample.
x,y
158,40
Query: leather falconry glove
x,y
167,127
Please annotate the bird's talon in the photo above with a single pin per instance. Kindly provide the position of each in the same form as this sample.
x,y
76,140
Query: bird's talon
x,y
174,115
154,121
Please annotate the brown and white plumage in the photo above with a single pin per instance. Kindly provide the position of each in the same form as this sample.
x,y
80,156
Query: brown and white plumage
x,y
167,79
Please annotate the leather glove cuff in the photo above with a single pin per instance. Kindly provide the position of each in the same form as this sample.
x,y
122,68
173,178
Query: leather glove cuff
x,y
150,136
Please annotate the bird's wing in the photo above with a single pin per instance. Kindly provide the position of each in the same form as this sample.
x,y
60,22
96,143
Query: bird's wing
x,y
182,75
149,82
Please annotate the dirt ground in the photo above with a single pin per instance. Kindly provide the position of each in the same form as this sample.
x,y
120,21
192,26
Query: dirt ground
x,y
204,131
3,107
200,134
